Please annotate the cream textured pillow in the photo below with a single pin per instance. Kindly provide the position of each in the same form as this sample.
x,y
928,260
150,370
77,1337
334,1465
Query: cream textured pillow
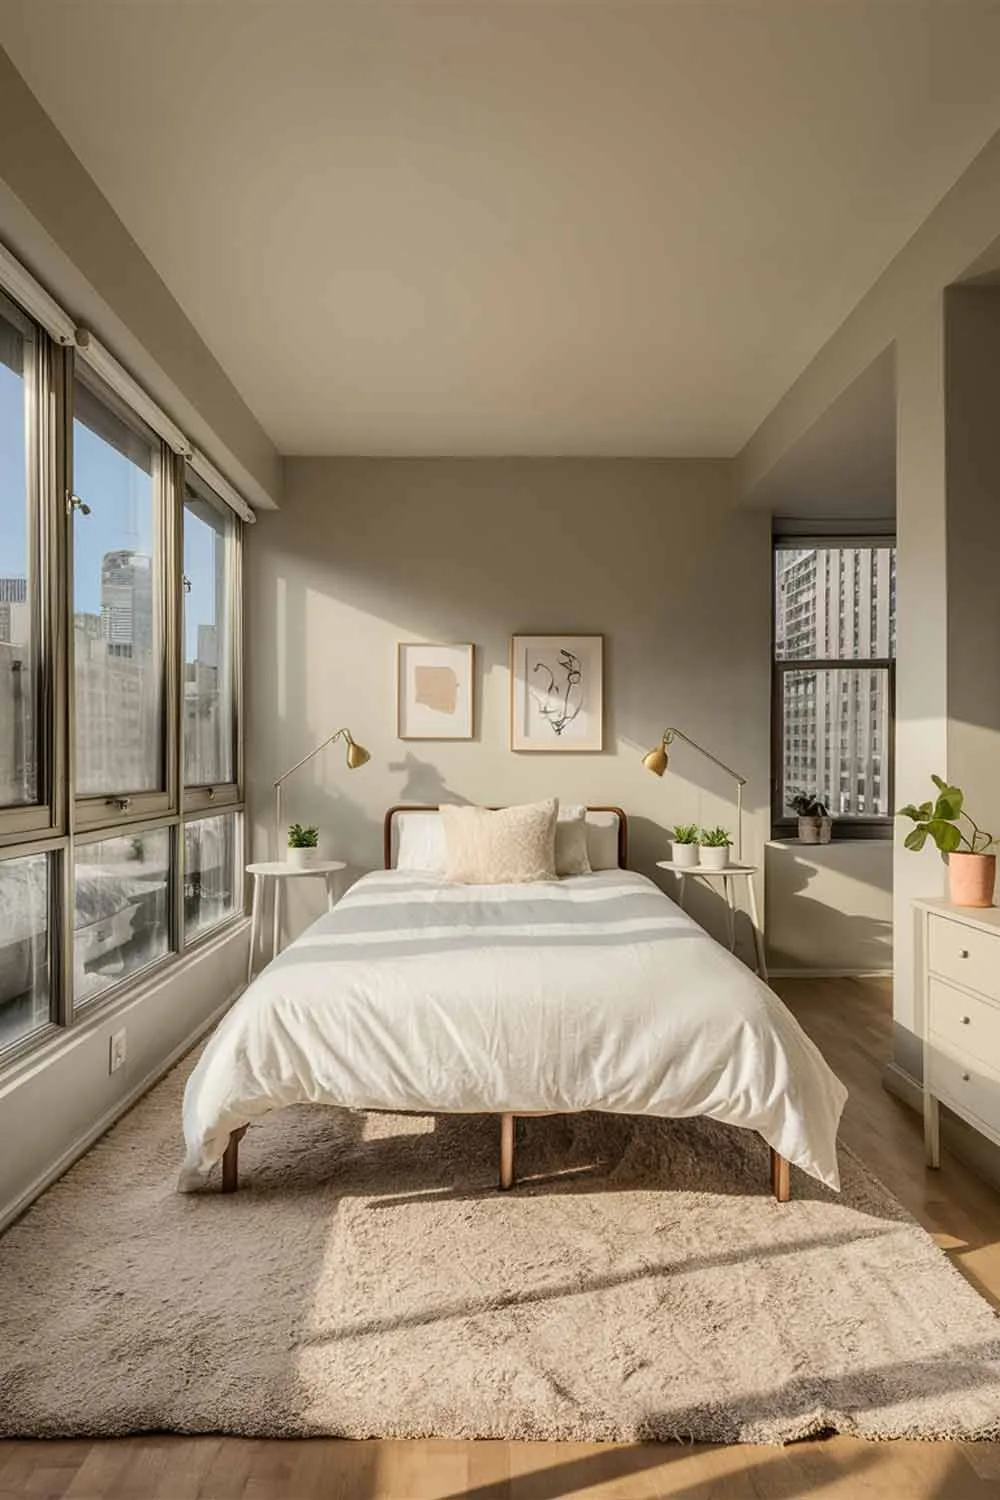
x,y
507,847
571,842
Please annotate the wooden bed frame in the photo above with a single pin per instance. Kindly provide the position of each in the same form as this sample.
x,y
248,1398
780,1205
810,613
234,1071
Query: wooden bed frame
x,y
780,1177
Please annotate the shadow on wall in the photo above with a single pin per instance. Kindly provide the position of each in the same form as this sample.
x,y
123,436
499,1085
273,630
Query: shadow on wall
x,y
831,909
367,553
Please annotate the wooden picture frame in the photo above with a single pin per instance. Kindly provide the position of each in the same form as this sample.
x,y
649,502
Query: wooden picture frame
x,y
435,690
556,694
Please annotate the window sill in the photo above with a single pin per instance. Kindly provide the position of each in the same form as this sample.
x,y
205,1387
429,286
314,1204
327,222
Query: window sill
x,y
54,1041
835,843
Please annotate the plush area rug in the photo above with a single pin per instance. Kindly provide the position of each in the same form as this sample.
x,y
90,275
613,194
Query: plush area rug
x,y
368,1280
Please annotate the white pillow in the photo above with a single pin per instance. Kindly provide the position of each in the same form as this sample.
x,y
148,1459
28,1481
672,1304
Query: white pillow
x,y
602,840
511,846
421,842
571,842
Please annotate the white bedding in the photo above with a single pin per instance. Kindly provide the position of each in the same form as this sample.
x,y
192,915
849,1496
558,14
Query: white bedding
x,y
590,993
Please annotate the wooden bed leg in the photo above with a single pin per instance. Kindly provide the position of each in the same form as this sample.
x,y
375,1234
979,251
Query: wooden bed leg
x,y
231,1161
506,1151
781,1185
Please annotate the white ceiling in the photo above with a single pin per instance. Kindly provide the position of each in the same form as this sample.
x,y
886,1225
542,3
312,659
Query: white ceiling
x,y
515,228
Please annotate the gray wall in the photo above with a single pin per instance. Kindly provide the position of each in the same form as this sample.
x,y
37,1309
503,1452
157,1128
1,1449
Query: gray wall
x,y
948,566
365,553
829,906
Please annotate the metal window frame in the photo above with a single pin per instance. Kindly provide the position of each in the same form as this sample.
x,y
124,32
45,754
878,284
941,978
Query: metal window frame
x,y
63,824
783,826
125,805
223,794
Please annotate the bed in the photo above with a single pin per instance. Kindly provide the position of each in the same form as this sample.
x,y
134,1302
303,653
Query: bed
x,y
593,992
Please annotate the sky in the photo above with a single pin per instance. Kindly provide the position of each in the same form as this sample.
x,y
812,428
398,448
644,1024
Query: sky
x,y
120,495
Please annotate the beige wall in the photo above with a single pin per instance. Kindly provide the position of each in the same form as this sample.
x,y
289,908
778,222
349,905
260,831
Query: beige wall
x,y
829,906
55,219
367,553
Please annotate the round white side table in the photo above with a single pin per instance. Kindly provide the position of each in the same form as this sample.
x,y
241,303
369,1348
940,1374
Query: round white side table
x,y
728,875
277,870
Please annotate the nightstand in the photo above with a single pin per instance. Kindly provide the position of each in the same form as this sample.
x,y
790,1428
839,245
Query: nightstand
x,y
728,876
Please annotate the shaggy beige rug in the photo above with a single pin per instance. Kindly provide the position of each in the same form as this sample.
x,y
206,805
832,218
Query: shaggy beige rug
x,y
368,1280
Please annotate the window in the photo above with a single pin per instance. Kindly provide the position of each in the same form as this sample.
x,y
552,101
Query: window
x,y
834,680
25,902
18,564
211,880
121,909
118,633
121,799
209,638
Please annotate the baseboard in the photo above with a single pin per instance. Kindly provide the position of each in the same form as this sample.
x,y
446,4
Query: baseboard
x,y
829,973
903,1085
62,1164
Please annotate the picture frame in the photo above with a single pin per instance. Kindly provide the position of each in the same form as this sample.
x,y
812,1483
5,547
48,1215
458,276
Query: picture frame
x,y
556,693
435,690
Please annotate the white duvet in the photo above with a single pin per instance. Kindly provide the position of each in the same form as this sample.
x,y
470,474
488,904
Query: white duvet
x,y
593,993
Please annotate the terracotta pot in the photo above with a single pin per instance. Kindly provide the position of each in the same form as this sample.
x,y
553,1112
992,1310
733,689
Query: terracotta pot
x,y
971,878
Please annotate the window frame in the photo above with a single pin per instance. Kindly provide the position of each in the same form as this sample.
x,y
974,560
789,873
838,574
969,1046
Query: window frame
x,y
125,806
61,823
784,826
216,796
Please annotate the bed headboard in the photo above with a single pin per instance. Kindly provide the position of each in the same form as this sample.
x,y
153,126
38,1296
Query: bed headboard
x,y
601,817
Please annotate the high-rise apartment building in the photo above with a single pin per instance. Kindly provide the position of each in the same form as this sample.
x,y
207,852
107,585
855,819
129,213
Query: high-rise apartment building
x,y
835,614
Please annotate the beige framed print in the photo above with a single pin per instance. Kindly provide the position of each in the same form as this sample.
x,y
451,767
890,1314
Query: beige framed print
x,y
557,692
435,689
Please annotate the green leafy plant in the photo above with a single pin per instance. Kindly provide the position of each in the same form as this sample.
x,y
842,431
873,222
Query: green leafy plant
x,y
809,805
685,833
302,838
941,820
714,838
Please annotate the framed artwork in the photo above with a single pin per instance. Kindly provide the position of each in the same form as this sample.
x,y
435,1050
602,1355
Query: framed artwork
x,y
435,688
557,692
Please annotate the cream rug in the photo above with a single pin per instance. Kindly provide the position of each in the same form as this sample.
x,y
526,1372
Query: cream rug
x,y
368,1280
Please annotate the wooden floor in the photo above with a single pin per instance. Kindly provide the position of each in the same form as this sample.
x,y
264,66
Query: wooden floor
x,y
850,1021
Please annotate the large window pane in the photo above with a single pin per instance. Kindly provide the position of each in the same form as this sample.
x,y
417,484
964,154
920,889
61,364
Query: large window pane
x,y
18,763
836,739
210,875
209,723
118,645
121,909
834,602
24,947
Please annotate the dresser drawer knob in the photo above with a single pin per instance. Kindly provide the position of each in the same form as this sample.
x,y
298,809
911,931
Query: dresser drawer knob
x,y
965,1077
966,1020
963,952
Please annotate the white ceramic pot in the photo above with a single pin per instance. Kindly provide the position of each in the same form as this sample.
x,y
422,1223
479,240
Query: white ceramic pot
x,y
713,857
303,859
684,855
815,830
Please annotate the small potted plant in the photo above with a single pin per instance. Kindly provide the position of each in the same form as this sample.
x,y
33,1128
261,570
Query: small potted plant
x,y
815,823
303,846
972,869
713,848
684,845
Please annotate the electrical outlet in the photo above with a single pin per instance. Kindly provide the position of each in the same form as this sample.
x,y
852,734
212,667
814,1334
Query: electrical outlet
x,y
118,1051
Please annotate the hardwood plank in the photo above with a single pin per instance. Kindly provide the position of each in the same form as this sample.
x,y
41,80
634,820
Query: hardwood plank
x,y
850,1020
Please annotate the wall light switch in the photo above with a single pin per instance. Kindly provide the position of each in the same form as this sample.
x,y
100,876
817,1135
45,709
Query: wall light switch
x,y
118,1051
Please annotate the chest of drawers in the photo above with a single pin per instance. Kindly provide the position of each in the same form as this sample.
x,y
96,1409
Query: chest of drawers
x,y
958,1010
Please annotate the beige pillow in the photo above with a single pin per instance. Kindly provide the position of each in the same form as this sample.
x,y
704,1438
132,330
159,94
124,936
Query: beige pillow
x,y
571,842
507,847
